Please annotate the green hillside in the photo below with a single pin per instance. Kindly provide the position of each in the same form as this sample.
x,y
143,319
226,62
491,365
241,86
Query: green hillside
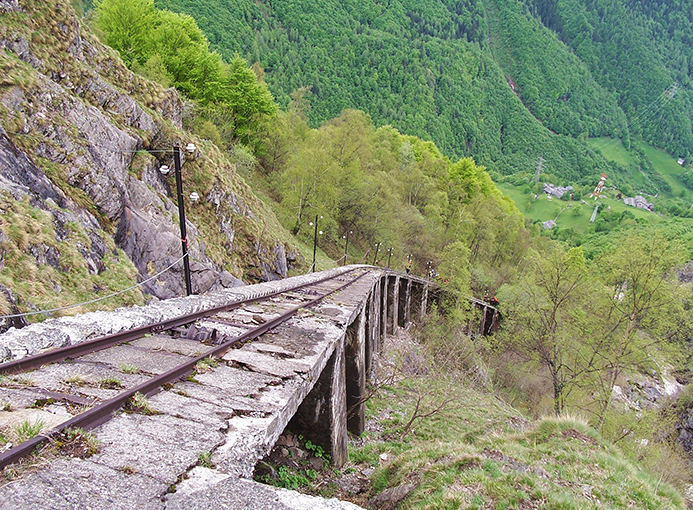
x,y
446,71
422,67
640,51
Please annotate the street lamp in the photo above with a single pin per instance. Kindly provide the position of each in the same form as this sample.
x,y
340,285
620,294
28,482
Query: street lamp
x,y
315,239
346,244
389,254
377,249
194,197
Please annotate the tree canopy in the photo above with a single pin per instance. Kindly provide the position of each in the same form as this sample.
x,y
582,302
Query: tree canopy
x,y
502,81
171,47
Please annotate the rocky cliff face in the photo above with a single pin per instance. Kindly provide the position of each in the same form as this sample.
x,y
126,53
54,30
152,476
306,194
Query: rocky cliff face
x,y
81,142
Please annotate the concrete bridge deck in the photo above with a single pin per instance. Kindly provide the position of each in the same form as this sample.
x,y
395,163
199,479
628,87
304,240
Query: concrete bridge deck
x,y
304,374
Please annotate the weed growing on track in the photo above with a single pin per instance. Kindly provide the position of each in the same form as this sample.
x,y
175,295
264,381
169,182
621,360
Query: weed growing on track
x,y
111,383
129,369
77,379
76,442
27,430
138,403
205,460
205,365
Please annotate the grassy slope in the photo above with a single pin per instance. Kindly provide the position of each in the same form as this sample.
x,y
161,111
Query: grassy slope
x,y
544,209
664,164
667,167
480,453
611,149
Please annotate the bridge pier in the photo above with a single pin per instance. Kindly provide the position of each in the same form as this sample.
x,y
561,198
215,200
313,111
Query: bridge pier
x,y
321,417
418,295
404,299
488,321
383,308
373,328
392,304
355,349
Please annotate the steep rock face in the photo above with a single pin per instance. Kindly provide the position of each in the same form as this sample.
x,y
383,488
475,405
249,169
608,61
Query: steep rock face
x,y
9,5
82,138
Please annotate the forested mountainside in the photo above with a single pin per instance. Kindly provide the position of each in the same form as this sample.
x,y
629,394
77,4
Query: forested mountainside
x,y
637,49
494,79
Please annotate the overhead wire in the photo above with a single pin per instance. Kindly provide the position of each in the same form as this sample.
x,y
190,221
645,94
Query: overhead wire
x,y
46,312
648,112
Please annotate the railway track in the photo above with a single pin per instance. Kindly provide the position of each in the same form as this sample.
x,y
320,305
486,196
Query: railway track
x,y
93,380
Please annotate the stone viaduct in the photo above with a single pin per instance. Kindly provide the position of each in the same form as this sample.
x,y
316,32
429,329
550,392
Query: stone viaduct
x,y
309,376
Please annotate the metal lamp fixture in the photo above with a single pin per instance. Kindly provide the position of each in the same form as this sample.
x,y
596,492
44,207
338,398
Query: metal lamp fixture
x,y
194,197
377,249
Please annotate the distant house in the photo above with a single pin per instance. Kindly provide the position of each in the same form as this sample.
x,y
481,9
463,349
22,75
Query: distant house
x,y
681,161
556,191
639,202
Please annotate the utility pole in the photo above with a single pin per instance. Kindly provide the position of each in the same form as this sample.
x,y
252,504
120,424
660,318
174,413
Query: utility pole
x,y
181,216
315,241
377,249
538,172
346,245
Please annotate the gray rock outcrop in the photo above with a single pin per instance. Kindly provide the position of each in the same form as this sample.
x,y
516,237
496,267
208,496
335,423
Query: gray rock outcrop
x,y
100,129
9,5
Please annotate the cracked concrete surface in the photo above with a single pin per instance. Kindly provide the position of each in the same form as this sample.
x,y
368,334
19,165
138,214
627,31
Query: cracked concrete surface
x,y
232,414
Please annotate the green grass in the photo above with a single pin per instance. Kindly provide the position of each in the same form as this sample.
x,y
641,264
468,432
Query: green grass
x,y
138,403
111,383
206,364
129,369
478,452
26,430
667,167
554,463
576,215
612,149
664,164
322,261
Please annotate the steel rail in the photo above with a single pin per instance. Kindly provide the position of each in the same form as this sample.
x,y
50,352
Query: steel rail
x,y
103,412
61,353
